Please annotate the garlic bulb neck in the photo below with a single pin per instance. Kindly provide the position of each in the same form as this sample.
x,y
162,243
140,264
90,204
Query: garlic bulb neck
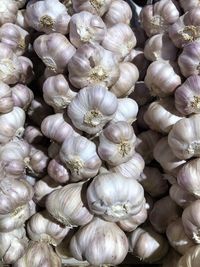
x,y
157,22
48,240
50,63
98,74
97,4
194,147
196,103
119,210
190,33
47,22
93,117
17,210
76,165
124,148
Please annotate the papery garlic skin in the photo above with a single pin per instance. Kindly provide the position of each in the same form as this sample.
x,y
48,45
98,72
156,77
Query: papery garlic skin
x,y
118,12
79,155
22,96
21,21
55,51
156,18
39,254
26,73
8,11
33,135
160,47
177,237
162,79
163,213
109,246
13,245
14,37
188,5
92,108
117,143
68,206
133,168
47,16
86,28
115,204
92,64
96,7
161,115
43,228
128,76
119,39
6,101
57,171
184,138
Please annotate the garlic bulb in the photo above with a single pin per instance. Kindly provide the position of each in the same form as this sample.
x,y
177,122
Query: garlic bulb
x,y
92,64
43,228
187,96
128,76
117,143
153,182
179,195
127,110
162,79
147,245
39,254
13,245
130,169
38,161
160,47
22,96
177,237
189,59
8,11
47,16
134,221
26,73
97,7
12,124
163,213
106,198
57,93
56,128
168,161
146,142
118,12
191,221
57,171
119,39
161,115
99,242
43,188
79,155
188,5
21,21
55,51
14,37
190,258
6,101
33,135
86,28
68,205
141,94
156,18
184,138
92,108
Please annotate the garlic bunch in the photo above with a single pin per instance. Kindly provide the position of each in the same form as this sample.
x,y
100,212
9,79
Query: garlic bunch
x,y
93,64
57,171
92,108
119,39
13,245
86,28
39,254
118,12
22,96
97,7
8,11
156,18
55,51
47,16
43,228
115,204
99,242
79,155
147,245
177,237
57,93
68,205
6,100
161,78
117,143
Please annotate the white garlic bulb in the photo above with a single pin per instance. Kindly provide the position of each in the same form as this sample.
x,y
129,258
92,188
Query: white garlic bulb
x,y
119,39
8,11
22,96
92,108
86,28
57,171
92,64
97,7
47,16
79,155
117,143
68,205
106,198
6,101
99,242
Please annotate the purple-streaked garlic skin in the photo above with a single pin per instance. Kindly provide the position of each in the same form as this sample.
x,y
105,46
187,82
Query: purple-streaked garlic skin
x,y
6,100
57,171
22,96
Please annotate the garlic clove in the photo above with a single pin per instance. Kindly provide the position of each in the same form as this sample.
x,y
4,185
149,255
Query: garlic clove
x,y
22,96
6,101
